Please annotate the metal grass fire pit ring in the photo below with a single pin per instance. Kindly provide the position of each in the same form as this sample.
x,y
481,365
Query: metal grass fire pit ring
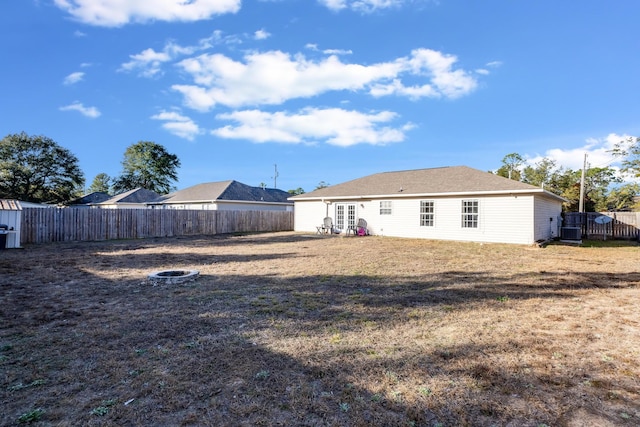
x,y
173,277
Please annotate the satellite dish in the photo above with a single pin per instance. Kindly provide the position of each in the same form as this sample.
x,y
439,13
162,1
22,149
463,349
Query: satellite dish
x,y
603,219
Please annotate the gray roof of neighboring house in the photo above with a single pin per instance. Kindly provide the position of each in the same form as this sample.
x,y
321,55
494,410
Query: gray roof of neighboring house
x,y
95,197
434,181
137,195
225,191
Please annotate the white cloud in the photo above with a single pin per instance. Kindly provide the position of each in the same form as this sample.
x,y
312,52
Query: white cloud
x,y
492,64
274,77
335,126
115,13
73,78
314,47
364,6
337,52
439,68
598,151
178,124
261,35
149,62
91,112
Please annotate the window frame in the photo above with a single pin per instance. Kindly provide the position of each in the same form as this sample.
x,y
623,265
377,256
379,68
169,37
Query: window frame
x,y
470,213
386,207
427,213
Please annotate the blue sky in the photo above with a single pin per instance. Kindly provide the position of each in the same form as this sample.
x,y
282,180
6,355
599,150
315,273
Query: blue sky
x,y
327,90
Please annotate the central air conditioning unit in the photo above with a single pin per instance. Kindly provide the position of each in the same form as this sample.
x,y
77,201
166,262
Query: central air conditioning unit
x,y
570,233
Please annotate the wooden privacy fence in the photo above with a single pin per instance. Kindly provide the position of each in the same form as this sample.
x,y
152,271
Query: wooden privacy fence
x,y
81,224
624,225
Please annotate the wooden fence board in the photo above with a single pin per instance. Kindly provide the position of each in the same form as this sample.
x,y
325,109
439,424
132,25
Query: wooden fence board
x,y
81,224
624,225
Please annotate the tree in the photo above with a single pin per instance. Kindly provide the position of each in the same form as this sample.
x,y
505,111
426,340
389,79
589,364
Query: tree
x,y
101,184
511,164
629,151
296,192
623,198
147,165
322,184
37,169
542,174
596,185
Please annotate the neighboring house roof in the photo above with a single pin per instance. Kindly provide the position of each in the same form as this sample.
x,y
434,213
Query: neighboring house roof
x,y
137,195
95,197
453,180
225,191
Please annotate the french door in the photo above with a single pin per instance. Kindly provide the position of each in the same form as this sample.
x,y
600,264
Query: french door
x,y
345,215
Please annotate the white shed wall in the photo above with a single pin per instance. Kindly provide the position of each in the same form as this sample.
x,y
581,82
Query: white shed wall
x,y
12,218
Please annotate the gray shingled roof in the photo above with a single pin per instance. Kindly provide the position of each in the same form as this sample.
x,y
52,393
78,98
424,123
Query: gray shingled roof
x,y
225,190
95,197
434,181
137,195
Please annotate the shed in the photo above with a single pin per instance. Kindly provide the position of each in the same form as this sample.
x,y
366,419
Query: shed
x,y
11,216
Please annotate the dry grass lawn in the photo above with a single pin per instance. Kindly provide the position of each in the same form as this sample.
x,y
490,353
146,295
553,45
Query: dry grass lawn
x,y
298,330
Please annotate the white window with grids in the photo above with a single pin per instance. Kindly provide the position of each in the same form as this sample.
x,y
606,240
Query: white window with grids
x,y
427,213
386,207
470,214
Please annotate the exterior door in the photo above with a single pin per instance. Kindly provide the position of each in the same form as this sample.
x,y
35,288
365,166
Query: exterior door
x,y
345,215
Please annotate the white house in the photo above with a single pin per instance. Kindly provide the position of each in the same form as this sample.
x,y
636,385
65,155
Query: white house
x,y
447,203
225,195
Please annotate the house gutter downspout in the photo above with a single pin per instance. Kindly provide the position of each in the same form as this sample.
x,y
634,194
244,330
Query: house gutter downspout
x,y
326,203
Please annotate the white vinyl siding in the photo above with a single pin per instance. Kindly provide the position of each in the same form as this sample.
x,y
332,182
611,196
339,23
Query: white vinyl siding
x,y
507,219
309,215
547,213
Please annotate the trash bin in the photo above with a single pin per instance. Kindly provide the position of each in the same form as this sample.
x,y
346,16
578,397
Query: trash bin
x,y
4,230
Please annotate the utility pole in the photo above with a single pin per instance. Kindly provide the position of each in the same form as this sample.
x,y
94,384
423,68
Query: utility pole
x,y
584,169
275,177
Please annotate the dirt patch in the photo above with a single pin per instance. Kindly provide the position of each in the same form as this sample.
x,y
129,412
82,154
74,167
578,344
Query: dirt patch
x,y
292,329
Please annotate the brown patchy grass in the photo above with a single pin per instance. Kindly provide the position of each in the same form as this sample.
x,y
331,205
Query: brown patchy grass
x,y
297,330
